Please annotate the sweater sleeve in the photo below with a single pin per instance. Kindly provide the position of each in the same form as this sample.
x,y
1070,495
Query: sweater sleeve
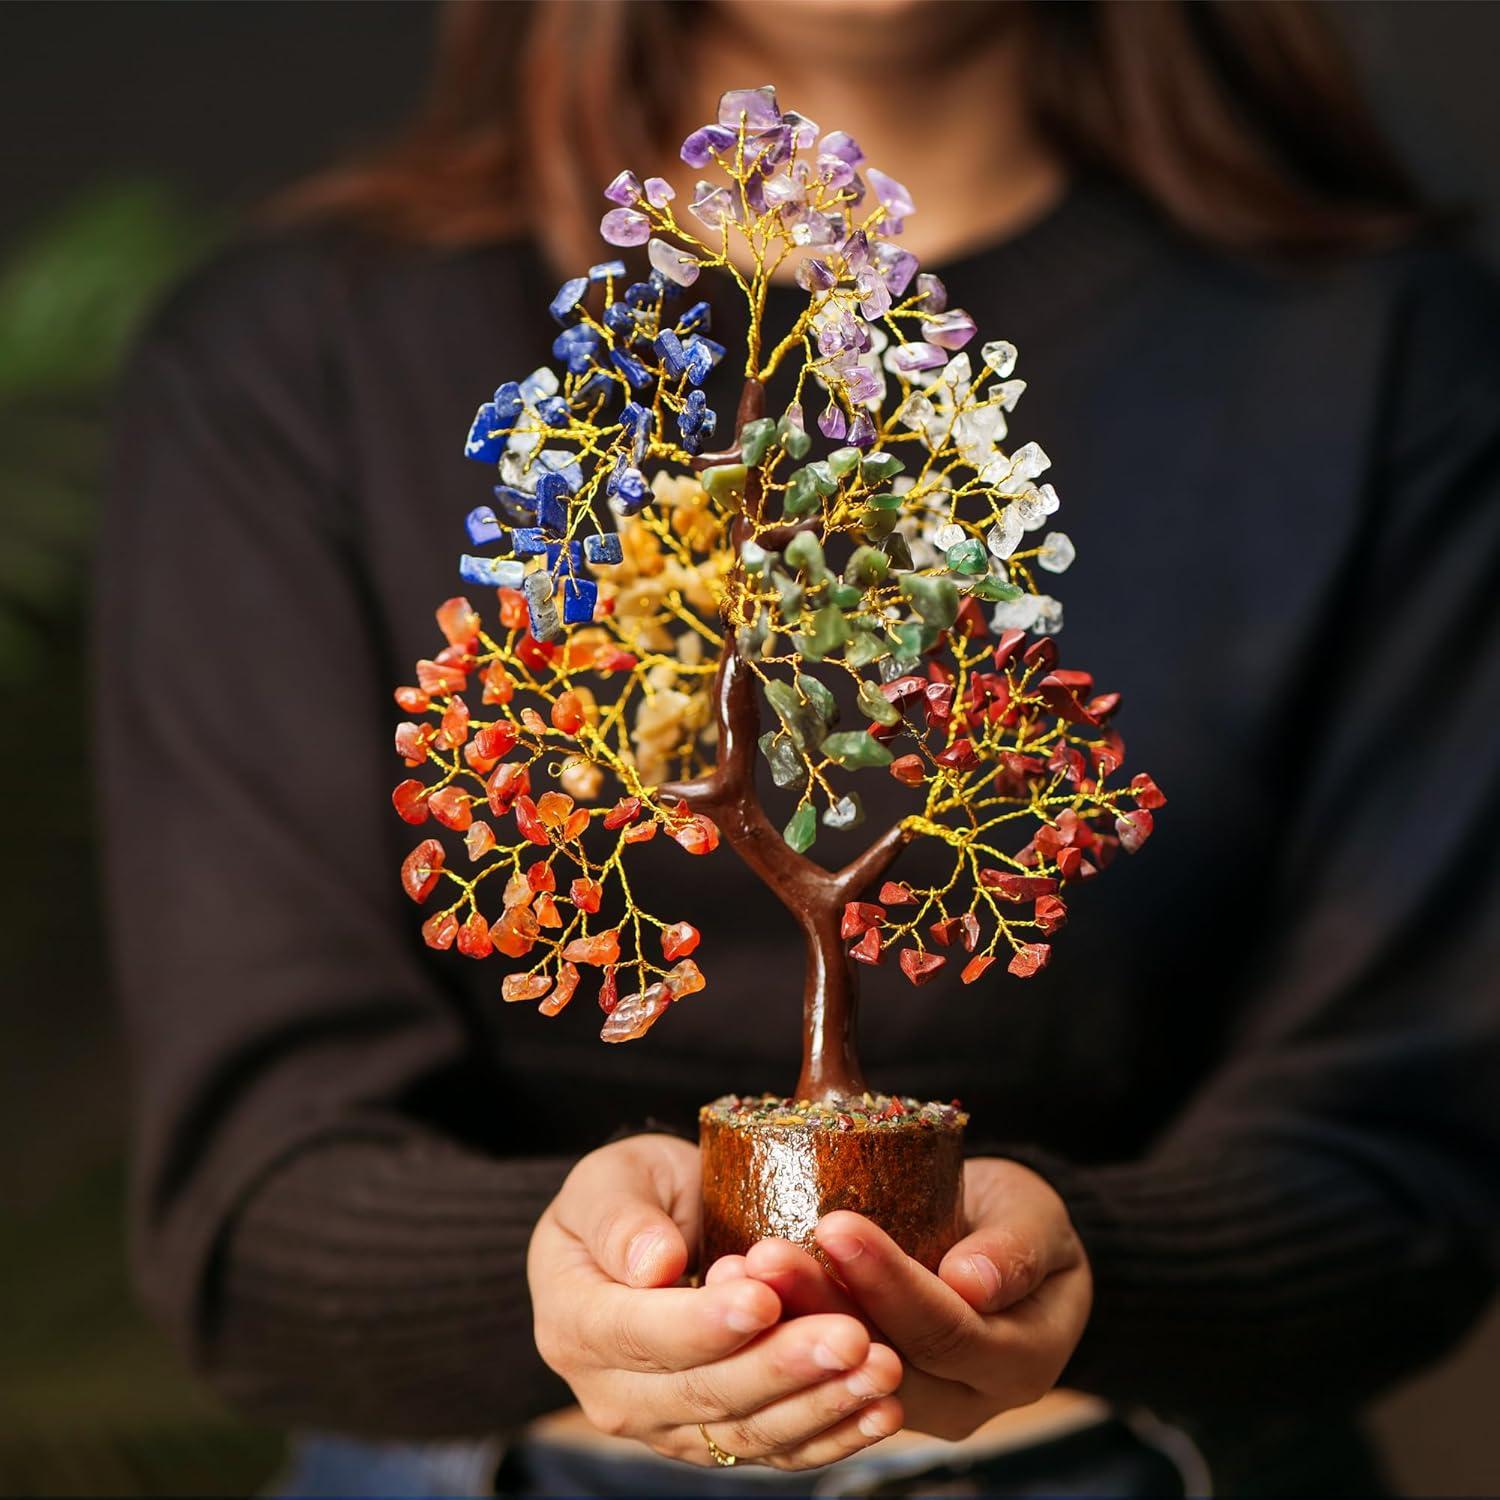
x,y
327,1251
1324,1217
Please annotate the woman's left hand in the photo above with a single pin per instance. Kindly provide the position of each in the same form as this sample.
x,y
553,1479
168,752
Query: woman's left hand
x,y
991,1330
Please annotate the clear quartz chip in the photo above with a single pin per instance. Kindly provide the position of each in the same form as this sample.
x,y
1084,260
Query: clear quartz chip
x,y
1049,615
1000,356
1017,614
1005,535
1057,552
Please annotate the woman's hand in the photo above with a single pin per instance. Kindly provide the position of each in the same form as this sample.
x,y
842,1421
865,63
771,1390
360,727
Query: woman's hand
x,y
649,1359
992,1330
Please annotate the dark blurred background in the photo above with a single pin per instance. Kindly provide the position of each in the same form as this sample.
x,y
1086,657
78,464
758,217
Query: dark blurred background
x,y
133,136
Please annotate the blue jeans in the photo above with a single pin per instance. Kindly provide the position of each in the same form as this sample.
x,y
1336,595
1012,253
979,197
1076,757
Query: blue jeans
x,y
1107,1458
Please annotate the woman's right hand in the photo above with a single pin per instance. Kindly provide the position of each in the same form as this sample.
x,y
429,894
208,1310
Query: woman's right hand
x,y
651,1360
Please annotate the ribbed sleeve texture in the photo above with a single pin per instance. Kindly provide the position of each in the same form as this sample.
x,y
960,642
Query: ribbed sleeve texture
x,y
366,1283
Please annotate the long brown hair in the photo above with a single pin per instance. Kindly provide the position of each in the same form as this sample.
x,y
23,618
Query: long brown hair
x,y
1240,120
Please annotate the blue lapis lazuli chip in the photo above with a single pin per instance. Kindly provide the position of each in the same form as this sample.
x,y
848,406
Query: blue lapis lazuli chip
x,y
483,526
580,597
603,548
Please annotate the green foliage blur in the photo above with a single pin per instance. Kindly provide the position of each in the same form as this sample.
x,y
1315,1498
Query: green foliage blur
x,y
91,1399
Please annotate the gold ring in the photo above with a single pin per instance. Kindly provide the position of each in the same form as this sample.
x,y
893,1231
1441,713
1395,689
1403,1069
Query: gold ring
x,y
723,1459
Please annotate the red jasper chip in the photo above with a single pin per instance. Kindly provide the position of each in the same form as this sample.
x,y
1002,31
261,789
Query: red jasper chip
x,y
440,929
884,732
1134,829
938,671
970,926
1068,762
1062,700
567,712
1108,752
959,756
529,821
474,937
976,967
1147,793
451,807
1102,706
524,987
514,614
894,893
945,931
918,966
609,992
1029,959
586,894
410,801
440,678
420,869
909,770
860,916
1051,913
506,784
868,949
480,839
413,700
562,991
902,690
626,810
1070,863
939,696
970,621
1005,647
678,940
603,949
699,835
1012,887
458,622
1041,653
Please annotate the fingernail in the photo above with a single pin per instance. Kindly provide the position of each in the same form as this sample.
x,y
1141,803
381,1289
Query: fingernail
x,y
861,1384
843,1247
825,1357
742,1319
986,1274
641,1250
873,1425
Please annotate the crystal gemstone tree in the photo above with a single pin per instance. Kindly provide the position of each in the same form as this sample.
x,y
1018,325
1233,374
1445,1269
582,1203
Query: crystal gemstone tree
x,y
671,602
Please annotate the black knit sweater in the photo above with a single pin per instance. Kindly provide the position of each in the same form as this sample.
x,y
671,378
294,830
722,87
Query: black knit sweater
x,y
1263,1068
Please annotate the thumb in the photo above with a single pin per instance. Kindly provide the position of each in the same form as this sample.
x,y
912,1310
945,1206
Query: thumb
x,y
619,1202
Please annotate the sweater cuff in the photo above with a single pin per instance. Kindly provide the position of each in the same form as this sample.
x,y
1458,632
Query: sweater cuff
x,y
381,1288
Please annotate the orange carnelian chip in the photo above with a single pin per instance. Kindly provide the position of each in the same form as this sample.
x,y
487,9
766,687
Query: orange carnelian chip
x,y
602,949
524,986
553,808
515,933
420,869
513,611
609,992
685,978
499,685
567,712
678,940
587,894
474,937
439,930
451,807
562,991
528,821
541,876
458,622
626,810
410,801
699,835
546,911
495,739
413,700
413,742
480,839
640,833
506,784
635,1015
518,892
440,677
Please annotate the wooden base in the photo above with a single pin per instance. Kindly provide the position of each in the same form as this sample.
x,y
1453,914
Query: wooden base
x,y
772,1169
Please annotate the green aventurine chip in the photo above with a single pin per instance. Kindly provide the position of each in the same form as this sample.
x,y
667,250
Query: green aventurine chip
x,y
802,828
855,750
